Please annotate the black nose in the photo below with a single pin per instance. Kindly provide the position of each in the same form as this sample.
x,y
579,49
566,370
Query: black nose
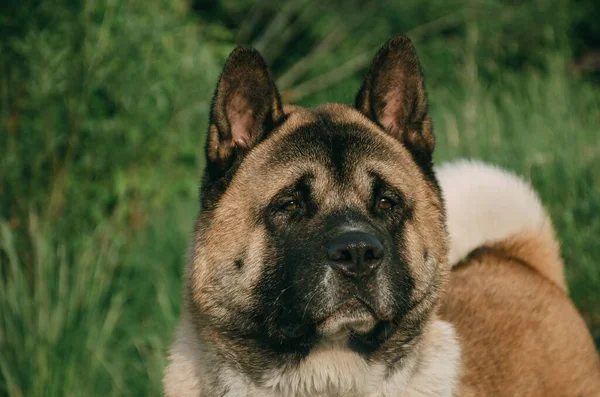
x,y
355,254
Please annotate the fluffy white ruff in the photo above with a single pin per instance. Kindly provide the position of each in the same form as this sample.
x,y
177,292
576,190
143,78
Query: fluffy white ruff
x,y
329,371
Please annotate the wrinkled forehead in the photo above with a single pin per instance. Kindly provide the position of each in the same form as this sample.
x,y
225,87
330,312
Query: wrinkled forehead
x,y
338,148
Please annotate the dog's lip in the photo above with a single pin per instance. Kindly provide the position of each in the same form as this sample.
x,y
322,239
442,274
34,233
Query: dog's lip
x,y
297,330
351,316
355,302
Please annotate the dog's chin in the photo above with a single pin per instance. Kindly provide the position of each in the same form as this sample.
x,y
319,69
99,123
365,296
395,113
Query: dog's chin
x,y
353,317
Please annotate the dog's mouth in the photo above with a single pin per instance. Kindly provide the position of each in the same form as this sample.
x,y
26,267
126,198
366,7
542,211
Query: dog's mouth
x,y
355,315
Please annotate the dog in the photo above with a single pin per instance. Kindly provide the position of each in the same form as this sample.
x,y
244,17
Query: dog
x,y
330,257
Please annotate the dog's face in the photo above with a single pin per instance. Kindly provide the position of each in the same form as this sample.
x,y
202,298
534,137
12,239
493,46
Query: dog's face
x,y
318,224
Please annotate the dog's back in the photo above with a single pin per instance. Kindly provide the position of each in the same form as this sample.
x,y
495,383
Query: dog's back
x,y
520,333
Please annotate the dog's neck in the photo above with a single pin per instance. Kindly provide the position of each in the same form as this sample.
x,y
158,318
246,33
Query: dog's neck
x,y
327,371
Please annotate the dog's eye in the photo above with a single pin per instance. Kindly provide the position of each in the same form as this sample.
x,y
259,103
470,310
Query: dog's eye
x,y
385,204
290,206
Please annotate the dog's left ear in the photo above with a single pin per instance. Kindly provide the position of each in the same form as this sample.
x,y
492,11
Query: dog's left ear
x,y
393,96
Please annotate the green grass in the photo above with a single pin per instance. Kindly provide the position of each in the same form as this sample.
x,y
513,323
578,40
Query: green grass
x,y
99,175
99,322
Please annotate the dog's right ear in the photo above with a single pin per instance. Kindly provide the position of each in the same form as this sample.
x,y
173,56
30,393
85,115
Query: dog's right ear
x,y
393,96
245,107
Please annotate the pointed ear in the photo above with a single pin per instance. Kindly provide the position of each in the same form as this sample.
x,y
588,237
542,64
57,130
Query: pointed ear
x,y
393,96
245,107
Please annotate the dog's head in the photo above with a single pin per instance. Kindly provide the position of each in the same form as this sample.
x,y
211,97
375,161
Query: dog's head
x,y
319,223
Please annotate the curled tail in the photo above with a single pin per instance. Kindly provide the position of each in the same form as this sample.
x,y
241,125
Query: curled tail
x,y
488,206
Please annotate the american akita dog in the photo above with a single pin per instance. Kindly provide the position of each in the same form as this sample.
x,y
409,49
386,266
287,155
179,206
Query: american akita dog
x,y
321,263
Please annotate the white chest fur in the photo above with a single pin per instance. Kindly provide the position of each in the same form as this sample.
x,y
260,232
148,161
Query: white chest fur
x,y
331,371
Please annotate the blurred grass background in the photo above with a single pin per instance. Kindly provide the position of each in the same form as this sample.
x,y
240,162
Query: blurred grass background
x,y
103,112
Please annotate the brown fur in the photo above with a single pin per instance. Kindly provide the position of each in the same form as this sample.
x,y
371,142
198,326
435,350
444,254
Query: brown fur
x,y
540,250
520,333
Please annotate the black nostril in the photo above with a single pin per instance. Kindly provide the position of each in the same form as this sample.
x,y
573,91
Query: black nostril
x,y
355,254
343,255
373,253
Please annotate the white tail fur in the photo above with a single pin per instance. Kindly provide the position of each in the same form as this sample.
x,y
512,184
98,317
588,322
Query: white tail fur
x,y
486,204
